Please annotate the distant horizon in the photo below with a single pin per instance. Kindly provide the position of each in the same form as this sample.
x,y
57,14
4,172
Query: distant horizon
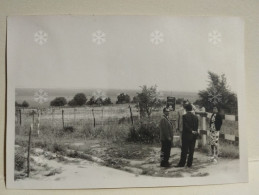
x,y
132,89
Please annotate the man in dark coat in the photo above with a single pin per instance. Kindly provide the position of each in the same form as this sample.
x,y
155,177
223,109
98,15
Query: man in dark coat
x,y
189,136
166,138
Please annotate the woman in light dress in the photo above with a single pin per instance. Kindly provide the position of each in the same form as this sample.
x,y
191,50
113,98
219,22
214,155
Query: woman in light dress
x,y
215,125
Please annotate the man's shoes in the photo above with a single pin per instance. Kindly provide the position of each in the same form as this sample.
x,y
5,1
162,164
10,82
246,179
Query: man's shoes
x,y
165,164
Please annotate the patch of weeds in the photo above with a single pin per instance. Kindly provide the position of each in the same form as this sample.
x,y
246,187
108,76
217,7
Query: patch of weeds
x,y
56,147
20,161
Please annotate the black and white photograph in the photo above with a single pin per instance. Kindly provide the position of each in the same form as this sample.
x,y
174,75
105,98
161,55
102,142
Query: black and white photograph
x,y
125,101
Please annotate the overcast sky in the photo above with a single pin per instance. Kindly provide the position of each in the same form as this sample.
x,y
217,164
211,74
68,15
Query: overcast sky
x,y
127,59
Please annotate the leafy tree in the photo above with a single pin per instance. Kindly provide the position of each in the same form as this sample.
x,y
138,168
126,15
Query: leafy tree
x,y
135,99
72,103
218,94
91,101
25,104
80,99
99,101
123,98
107,101
148,100
59,101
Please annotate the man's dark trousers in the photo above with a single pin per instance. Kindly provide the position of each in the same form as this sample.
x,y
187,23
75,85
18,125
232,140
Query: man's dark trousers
x,y
189,136
187,145
165,152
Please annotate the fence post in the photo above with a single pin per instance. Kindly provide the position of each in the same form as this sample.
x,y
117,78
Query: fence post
x,y
52,114
102,116
131,117
20,114
74,115
93,116
63,119
29,151
33,112
38,125
204,127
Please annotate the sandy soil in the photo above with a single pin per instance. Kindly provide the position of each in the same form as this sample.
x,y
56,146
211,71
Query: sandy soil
x,y
50,168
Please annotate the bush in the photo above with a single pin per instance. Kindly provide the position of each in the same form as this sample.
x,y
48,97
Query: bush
x,y
56,147
107,101
19,161
59,101
69,129
123,98
72,103
146,131
25,104
80,99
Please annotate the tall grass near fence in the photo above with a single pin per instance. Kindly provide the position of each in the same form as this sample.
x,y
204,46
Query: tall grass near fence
x,y
115,124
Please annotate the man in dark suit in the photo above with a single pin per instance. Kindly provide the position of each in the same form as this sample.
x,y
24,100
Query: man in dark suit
x,y
189,136
166,138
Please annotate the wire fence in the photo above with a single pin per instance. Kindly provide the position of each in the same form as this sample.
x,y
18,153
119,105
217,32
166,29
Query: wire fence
x,y
81,115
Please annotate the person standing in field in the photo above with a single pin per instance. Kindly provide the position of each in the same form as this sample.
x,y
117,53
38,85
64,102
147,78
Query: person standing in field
x,y
189,136
215,126
180,114
166,138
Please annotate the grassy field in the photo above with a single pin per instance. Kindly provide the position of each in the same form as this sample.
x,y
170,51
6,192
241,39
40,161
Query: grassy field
x,y
113,130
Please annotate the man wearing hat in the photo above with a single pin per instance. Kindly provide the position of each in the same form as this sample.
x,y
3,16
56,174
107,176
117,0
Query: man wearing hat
x,y
166,138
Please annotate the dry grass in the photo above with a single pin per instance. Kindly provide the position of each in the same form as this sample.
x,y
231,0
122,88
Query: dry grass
x,y
54,138
226,149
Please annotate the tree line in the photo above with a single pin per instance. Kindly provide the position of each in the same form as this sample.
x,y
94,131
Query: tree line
x,y
148,99
80,99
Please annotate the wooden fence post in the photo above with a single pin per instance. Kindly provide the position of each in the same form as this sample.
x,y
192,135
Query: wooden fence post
x,y
29,151
74,115
93,116
20,114
202,126
33,112
204,129
102,116
52,114
63,123
38,125
131,117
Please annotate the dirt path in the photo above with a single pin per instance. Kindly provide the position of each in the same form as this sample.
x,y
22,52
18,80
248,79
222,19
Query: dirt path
x,y
54,171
